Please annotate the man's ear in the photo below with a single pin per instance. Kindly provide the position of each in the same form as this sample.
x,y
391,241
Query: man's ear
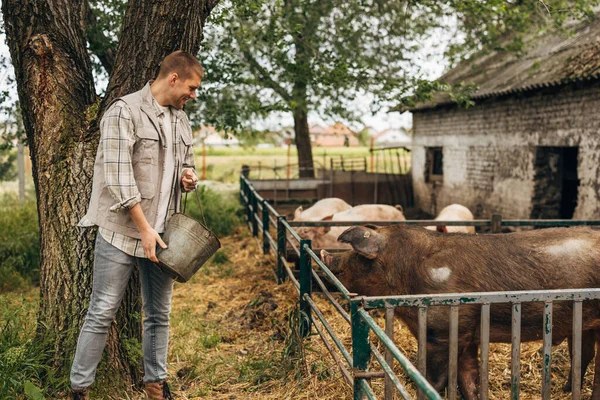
x,y
365,241
173,78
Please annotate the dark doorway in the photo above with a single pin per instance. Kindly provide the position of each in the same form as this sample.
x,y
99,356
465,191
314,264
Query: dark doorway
x,y
555,183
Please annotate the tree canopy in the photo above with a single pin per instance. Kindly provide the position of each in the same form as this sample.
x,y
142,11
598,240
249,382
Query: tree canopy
x,y
266,56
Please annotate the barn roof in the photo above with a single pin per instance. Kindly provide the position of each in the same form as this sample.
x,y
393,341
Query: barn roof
x,y
551,59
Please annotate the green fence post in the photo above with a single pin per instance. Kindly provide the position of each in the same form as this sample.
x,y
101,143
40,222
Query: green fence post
x,y
254,214
280,249
305,288
265,222
361,351
248,203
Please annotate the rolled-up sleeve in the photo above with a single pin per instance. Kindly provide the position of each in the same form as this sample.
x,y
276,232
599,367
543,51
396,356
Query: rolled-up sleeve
x,y
117,141
189,161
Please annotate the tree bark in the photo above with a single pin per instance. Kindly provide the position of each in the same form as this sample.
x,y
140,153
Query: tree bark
x,y
302,57
47,41
303,145
56,94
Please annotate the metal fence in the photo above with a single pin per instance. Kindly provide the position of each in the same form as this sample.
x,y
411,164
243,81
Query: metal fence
x,y
263,219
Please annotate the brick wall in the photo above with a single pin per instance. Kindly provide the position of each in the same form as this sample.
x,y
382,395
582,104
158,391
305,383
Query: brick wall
x,y
489,150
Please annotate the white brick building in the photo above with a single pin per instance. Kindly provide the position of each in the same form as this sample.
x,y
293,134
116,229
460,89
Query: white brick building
x,y
530,147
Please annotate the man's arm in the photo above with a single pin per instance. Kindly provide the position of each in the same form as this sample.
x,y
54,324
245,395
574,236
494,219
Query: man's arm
x,y
189,178
149,236
117,141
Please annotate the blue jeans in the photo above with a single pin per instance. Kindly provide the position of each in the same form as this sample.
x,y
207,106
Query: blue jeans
x,y
112,269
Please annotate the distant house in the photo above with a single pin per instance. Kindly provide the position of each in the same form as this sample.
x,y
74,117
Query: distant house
x,y
392,138
212,138
530,146
337,135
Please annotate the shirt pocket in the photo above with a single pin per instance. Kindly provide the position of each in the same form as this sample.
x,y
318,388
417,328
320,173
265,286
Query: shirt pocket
x,y
149,147
186,143
147,189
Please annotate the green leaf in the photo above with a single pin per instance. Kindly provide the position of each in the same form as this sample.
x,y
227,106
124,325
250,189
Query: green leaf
x,y
33,392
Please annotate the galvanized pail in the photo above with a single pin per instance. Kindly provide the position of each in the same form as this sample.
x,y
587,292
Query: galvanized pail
x,y
190,245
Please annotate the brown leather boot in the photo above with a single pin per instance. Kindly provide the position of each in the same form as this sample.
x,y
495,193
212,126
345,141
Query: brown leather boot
x,y
80,394
158,390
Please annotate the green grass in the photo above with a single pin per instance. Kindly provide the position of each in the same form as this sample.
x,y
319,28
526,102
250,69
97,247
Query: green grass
x,y
225,164
19,243
222,212
23,360
358,151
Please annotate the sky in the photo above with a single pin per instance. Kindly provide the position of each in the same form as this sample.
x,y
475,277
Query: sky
x,y
431,68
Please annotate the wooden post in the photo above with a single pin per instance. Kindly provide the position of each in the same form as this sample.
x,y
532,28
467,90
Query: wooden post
x,y
372,155
203,160
21,168
496,223
289,143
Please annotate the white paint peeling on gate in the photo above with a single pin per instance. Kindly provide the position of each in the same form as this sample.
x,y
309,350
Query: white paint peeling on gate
x,y
485,299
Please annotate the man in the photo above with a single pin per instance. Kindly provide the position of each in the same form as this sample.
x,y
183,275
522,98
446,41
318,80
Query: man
x,y
145,160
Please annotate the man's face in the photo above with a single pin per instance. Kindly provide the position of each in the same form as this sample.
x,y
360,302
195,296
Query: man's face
x,y
183,90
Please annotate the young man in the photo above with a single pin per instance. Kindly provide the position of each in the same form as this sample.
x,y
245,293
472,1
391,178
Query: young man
x,y
145,160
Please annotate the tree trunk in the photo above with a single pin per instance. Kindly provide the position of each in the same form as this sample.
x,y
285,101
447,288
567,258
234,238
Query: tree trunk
x,y
56,94
305,158
302,58
60,112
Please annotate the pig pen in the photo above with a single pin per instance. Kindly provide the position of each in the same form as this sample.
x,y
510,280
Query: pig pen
x,y
330,313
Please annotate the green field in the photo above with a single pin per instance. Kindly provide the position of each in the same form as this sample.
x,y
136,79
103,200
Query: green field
x,y
224,164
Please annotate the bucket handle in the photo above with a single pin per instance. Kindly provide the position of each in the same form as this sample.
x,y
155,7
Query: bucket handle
x,y
199,204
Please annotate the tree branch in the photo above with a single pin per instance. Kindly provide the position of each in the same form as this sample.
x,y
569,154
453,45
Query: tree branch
x,y
255,66
99,43
210,4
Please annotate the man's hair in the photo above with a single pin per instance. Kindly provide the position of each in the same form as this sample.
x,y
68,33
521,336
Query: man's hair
x,y
181,62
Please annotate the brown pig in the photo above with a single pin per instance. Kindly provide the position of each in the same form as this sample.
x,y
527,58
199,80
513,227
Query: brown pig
x,y
405,260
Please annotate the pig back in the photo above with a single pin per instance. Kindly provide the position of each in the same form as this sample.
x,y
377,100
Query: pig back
x,y
559,258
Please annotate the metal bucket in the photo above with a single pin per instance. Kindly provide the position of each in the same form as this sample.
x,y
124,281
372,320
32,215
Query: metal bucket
x,y
190,245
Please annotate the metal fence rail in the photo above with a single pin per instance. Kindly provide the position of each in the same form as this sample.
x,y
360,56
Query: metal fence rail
x,y
263,219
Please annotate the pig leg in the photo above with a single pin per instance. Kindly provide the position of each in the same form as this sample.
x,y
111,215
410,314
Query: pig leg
x,y
596,391
587,354
437,366
468,372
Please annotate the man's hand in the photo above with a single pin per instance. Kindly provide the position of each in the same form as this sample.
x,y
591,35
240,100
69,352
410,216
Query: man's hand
x,y
149,240
189,180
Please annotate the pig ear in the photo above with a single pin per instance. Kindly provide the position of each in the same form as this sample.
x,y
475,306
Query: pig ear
x,y
442,229
326,257
322,230
399,208
367,242
298,213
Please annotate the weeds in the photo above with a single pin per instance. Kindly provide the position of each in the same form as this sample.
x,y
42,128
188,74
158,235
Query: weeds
x,y
222,213
19,244
24,362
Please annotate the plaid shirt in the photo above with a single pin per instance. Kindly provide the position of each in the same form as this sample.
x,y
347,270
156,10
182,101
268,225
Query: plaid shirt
x,y
117,141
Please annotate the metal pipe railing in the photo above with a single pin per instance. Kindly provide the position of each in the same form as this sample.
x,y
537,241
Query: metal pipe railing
x,y
362,323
